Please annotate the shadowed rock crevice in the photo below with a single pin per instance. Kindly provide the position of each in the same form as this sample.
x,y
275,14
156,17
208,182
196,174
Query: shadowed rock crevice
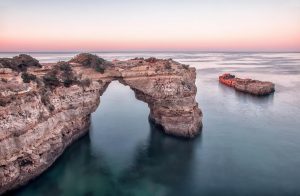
x,y
39,118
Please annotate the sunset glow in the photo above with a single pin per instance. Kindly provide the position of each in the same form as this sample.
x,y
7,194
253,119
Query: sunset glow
x,y
139,25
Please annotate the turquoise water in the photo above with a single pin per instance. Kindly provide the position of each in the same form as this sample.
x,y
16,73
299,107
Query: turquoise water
x,y
248,145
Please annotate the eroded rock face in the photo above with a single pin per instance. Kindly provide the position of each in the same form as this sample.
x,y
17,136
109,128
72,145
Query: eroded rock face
x,y
169,89
39,119
254,87
32,136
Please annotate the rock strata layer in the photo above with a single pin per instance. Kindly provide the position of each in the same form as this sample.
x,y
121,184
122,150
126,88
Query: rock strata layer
x,y
44,108
254,87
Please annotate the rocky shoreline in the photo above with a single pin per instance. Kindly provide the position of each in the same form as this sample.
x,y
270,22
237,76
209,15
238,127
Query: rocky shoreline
x,y
44,108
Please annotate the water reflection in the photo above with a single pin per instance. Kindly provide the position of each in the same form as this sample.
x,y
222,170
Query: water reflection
x,y
247,98
165,160
159,167
124,154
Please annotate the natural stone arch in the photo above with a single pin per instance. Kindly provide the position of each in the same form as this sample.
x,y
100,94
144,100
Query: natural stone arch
x,y
166,86
171,105
33,135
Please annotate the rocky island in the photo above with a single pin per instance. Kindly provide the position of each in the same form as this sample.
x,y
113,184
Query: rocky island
x,y
254,87
45,107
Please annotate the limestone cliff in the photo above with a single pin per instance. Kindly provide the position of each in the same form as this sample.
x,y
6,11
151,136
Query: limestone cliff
x,y
169,89
45,108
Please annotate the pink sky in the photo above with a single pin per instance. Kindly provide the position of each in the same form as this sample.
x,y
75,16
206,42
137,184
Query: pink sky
x,y
208,26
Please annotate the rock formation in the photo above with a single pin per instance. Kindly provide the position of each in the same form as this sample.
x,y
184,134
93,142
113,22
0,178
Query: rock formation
x,y
43,109
254,87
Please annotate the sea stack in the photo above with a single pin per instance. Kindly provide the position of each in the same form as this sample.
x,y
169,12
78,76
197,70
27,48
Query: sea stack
x,y
254,87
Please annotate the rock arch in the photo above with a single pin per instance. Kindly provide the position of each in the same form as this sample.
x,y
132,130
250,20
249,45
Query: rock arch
x,y
33,136
166,86
176,112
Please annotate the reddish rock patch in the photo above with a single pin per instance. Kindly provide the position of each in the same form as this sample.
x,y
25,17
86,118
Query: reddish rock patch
x,y
254,87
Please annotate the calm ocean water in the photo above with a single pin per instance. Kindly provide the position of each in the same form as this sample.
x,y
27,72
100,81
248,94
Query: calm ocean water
x,y
248,146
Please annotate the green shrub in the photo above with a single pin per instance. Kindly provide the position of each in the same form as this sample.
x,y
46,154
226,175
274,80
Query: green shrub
x,y
19,63
151,60
64,66
99,69
26,60
67,74
51,81
92,61
68,82
27,78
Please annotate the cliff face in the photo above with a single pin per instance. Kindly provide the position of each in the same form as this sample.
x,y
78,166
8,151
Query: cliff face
x,y
31,136
37,122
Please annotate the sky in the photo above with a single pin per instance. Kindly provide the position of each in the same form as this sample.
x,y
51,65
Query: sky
x,y
149,25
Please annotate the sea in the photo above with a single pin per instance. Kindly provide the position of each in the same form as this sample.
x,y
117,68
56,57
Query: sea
x,y
248,145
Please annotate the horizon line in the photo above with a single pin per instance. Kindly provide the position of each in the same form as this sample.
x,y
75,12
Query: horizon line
x,y
152,51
